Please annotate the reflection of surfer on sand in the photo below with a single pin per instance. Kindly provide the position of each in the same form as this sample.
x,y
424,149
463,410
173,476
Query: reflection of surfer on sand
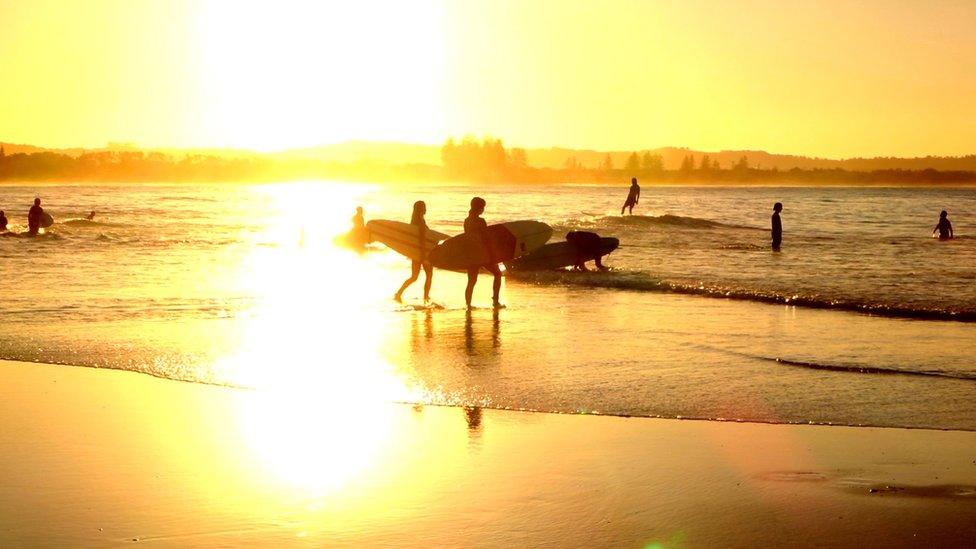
x,y
477,227
633,197
417,220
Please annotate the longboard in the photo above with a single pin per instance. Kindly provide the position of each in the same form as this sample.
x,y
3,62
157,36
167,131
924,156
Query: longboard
x,y
506,241
403,238
557,255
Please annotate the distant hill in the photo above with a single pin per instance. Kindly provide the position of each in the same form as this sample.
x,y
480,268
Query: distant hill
x,y
393,153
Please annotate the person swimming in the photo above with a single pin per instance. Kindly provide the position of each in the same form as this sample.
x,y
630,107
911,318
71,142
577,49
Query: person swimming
x,y
633,197
417,220
777,226
477,227
34,217
588,246
944,227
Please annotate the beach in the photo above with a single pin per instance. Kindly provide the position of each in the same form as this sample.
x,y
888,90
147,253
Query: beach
x,y
89,460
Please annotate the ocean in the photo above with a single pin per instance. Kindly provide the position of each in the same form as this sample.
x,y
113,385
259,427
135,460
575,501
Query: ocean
x,y
862,319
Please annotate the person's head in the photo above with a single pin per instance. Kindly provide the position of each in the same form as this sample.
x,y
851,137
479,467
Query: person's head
x,y
778,207
359,210
942,215
633,180
477,205
37,201
419,209
1,213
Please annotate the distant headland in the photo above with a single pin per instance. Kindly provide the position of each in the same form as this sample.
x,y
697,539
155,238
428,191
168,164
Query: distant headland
x,y
468,159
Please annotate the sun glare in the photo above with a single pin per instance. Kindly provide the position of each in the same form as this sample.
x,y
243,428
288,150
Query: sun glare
x,y
308,72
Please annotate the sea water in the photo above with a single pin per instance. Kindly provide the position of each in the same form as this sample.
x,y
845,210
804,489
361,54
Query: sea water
x,y
861,319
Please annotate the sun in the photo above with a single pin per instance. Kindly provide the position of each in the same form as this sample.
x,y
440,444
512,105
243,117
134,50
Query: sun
x,y
299,73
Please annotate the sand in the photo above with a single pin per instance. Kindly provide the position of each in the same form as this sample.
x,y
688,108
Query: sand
x,y
99,457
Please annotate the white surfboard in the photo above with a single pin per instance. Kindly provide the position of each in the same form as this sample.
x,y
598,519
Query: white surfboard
x,y
506,241
403,238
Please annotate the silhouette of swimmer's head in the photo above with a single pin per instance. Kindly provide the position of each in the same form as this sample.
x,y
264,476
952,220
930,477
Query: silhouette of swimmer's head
x,y
477,205
943,214
633,180
778,207
37,201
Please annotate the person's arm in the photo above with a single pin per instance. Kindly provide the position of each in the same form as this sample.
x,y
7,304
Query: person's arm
x,y
637,198
950,229
422,234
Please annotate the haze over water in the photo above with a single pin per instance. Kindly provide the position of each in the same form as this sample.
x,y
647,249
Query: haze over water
x,y
241,285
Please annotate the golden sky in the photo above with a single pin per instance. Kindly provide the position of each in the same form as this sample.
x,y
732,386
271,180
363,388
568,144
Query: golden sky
x,y
824,78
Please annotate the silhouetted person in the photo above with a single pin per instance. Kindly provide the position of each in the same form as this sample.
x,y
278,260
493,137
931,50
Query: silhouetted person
x,y
417,220
358,233
633,197
588,246
475,226
777,228
944,227
91,216
3,221
34,217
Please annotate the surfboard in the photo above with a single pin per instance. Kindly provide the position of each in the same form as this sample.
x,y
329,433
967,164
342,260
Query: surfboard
x,y
506,242
557,255
46,220
402,238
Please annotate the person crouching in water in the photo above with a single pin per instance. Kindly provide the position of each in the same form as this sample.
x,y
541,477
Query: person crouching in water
x,y
417,220
588,246
944,227
475,226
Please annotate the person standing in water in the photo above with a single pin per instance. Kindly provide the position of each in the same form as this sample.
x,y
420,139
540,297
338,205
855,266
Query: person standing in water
x,y
633,197
777,228
34,217
477,227
417,220
3,221
944,227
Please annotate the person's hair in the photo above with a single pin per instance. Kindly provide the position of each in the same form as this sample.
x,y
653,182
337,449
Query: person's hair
x,y
943,214
777,206
633,180
418,214
477,203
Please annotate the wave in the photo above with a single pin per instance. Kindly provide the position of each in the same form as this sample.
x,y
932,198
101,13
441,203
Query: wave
x,y
82,222
666,220
641,282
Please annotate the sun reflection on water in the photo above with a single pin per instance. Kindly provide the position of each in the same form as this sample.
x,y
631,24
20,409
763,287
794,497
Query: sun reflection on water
x,y
311,346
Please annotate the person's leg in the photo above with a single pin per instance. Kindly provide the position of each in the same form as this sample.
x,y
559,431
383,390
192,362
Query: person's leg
x,y
599,263
414,273
472,279
496,286
429,272
622,210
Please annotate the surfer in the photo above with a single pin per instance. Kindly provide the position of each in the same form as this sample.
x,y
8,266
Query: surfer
x,y
944,227
588,246
34,217
417,220
3,221
91,216
633,197
357,237
777,228
477,227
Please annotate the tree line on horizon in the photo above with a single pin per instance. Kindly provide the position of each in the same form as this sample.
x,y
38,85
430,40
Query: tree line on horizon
x,y
467,159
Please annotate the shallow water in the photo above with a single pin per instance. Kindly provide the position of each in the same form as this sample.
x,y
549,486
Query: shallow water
x,y
241,285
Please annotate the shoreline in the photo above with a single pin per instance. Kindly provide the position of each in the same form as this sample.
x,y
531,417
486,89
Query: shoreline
x,y
97,457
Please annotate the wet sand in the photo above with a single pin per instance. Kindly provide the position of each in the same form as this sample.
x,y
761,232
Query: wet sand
x,y
96,457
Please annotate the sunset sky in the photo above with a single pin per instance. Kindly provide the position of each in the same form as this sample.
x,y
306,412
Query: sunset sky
x,y
832,79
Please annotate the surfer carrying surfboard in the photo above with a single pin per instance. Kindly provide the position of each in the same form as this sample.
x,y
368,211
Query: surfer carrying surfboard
x,y
417,220
34,217
633,197
477,227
